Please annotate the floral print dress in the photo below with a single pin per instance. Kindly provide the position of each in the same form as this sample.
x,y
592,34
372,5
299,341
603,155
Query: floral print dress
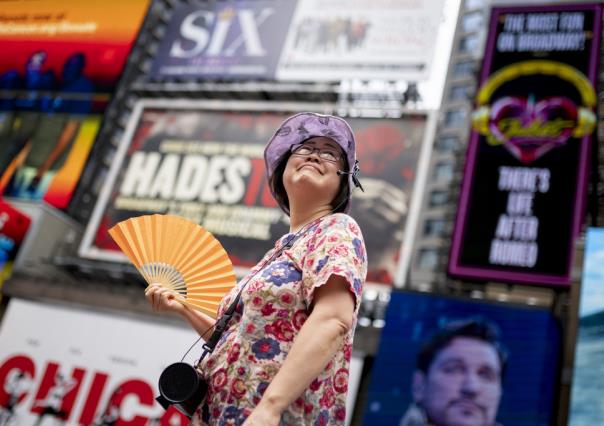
x,y
274,305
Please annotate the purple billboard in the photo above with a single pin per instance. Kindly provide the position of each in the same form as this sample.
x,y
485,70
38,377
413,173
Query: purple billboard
x,y
230,39
523,195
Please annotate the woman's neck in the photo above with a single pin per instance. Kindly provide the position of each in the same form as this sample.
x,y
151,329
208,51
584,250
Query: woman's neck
x,y
298,219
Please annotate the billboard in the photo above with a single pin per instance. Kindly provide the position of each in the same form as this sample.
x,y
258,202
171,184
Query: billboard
x,y
587,397
60,64
528,154
54,369
204,161
232,39
450,361
310,40
390,40
13,227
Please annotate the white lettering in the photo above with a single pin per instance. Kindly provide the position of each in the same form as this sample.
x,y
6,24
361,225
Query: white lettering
x,y
520,203
198,35
234,189
190,179
163,184
523,179
517,228
513,23
542,22
513,253
139,175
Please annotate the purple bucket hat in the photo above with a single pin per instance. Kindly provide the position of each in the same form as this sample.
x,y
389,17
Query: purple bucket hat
x,y
303,126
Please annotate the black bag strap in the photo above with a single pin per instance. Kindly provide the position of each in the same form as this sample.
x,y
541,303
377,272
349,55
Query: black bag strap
x,y
223,322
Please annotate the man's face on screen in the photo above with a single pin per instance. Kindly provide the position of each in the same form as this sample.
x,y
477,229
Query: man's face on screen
x,y
462,386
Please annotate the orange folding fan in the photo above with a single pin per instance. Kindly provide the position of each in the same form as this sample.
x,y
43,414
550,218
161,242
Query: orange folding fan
x,y
180,255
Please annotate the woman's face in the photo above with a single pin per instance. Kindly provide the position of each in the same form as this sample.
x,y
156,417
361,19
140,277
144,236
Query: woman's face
x,y
306,175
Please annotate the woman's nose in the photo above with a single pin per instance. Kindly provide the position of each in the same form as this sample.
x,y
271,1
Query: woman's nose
x,y
314,155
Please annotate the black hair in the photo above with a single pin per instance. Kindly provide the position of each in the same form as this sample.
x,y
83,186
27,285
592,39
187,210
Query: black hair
x,y
276,184
477,328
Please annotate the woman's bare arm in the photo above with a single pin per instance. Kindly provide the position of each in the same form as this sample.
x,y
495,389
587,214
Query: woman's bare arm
x,y
317,342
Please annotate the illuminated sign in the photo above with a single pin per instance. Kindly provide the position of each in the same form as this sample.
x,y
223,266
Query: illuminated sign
x,y
523,195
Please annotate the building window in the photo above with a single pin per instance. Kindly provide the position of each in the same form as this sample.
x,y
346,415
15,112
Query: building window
x,y
443,172
427,259
464,68
447,144
459,92
474,4
455,118
468,44
472,22
438,198
434,227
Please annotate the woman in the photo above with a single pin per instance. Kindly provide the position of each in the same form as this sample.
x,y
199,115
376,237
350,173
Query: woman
x,y
285,356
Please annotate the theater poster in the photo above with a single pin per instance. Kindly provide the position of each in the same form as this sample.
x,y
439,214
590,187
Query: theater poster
x,y
587,397
61,365
204,161
13,228
453,361
232,39
329,40
523,195
60,63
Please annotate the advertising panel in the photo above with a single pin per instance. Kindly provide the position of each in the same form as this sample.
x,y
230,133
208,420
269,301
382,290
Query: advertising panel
x,y
204,161
587,398
310,40
53,369
60,63
13,227
333,40
232,39
451,361
523,195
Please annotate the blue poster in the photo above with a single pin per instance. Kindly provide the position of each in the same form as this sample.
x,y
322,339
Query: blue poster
x,y
587,398
449,361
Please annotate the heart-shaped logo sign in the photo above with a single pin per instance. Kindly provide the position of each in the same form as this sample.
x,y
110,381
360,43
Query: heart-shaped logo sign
x,y
529,129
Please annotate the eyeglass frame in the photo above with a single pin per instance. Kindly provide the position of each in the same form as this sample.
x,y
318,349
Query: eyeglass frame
x,y
314,149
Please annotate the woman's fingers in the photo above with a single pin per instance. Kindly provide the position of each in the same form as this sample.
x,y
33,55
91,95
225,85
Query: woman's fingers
x,y
159,297
162,299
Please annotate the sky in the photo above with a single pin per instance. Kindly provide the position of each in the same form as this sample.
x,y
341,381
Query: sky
x,y
592,286
431,90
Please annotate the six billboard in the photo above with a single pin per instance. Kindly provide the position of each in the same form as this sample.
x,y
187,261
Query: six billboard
x,y
60,64
304,40
451,361
523,195
226,40
204,161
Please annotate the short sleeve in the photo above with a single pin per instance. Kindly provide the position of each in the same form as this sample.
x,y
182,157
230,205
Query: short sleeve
x,y
336,247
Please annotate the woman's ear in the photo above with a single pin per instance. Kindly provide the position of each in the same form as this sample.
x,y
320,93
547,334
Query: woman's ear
x,y
418,386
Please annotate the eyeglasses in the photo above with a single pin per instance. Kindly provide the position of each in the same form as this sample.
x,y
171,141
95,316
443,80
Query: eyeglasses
x,y
326,154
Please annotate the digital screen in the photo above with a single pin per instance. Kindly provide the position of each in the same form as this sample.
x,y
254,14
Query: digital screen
x,y
456,361
587,398
61,61
528,155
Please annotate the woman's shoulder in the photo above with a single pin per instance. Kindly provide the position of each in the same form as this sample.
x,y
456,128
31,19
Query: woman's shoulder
x,y
338,223
344,220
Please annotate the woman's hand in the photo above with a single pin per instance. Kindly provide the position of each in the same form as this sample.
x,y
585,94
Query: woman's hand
x,y
163,300
263,415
